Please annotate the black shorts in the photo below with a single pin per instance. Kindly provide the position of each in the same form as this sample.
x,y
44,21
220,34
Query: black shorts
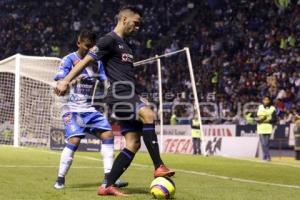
x,y
126,112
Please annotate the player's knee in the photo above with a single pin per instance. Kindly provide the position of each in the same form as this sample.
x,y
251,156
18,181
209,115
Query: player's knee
x,y
108,141
73,143
107,148
137,145
105,135
133,145
72,147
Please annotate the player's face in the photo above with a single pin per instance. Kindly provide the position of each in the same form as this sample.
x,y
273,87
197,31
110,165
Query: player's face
x,y
84,46
132,24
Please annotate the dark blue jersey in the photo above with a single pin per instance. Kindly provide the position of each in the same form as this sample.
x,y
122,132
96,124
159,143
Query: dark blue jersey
x,y
117,57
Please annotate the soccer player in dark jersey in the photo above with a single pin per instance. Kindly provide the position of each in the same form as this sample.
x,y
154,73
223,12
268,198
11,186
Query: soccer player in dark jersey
x,y
136,118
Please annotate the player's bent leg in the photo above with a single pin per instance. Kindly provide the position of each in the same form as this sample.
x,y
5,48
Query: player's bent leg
x,y
66,160
121,163
107,152
147,116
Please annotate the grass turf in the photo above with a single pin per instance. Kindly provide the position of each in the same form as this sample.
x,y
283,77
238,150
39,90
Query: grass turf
x,y
27,173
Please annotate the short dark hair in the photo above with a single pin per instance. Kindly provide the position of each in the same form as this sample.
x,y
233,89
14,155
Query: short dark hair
x,y
87,34
133,9
269,97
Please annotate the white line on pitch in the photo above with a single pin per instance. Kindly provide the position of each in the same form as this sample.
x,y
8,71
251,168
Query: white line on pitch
x,y
278,163
238,179
264,162
204,174
212,175
47,166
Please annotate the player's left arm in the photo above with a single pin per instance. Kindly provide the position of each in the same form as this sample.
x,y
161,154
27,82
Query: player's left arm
x,y
64,68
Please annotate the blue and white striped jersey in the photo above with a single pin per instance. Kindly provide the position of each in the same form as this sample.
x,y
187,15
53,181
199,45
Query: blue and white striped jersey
x,y
79,97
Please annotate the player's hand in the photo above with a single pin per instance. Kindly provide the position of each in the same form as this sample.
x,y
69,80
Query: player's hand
x,y
77,80
61,87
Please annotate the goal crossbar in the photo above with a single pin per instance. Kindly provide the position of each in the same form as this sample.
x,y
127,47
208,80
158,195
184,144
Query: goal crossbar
x,y
157,58
152,59
18,73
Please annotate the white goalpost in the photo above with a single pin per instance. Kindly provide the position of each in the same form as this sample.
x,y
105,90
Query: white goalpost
x,y
29,109
157,58
26,101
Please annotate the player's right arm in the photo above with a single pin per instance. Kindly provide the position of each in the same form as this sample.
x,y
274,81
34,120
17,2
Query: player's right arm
x,y
63,85
99,51
64,68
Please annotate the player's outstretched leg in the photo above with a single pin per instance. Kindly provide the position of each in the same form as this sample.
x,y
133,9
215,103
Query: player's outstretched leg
x,y
107,152
150,139
121,163
66,160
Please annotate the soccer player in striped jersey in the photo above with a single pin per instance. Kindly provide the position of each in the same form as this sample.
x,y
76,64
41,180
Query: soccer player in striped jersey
x,y
78,113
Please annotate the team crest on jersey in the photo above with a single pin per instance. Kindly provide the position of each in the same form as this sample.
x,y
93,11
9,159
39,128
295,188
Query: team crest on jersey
x,y
67,119
126,57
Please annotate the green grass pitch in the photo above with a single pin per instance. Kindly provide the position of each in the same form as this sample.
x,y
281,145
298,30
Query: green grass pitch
x,y
27,173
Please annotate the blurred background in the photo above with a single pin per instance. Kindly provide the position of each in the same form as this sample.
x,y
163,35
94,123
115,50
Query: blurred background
x,y
241,50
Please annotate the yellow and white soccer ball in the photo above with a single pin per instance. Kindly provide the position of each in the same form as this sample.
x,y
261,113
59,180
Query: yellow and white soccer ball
x,y
162,188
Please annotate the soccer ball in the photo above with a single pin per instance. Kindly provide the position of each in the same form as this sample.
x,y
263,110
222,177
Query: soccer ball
x,y
162,188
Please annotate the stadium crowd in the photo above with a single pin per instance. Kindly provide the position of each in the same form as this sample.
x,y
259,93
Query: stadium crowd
x,y
241,50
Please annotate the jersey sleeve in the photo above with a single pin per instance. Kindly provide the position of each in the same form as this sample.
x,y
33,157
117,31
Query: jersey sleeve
x,y
64,68
102,75
102,48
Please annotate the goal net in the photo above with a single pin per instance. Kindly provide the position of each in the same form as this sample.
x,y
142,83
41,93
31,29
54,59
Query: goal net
x,y
27,101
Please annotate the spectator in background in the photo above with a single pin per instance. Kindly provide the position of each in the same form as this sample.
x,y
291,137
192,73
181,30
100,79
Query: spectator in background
x,y
234,53
250,118
196,135
266,116
173,120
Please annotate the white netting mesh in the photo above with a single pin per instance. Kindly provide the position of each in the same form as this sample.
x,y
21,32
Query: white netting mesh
x,y
37,110
6,107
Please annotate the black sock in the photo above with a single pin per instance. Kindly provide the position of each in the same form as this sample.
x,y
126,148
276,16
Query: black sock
x,y
120,165
106,176
150,140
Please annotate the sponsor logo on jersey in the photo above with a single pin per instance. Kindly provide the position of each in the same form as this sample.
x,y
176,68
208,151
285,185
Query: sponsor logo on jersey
x,y
126,57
